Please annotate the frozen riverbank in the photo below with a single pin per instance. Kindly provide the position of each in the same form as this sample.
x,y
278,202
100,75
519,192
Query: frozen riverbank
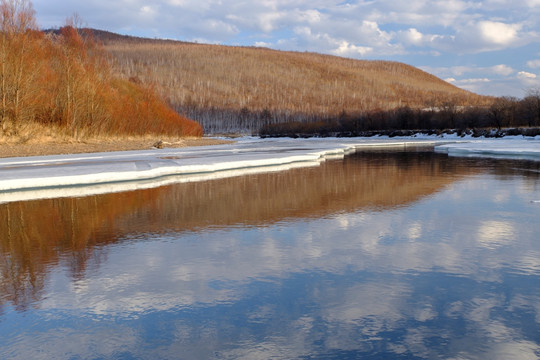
x,y
86,174
495,148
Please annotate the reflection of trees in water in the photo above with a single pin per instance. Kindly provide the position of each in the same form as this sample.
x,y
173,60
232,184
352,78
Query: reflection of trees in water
x,y
528,170
509,168
37,236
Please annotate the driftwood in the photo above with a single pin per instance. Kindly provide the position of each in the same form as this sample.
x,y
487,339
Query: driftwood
x,y
160,144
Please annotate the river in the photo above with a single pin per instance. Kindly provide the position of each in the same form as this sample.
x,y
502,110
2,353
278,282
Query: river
x,y
384,254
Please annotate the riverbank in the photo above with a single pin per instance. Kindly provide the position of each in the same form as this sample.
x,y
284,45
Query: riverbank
x,y
295,131
70,146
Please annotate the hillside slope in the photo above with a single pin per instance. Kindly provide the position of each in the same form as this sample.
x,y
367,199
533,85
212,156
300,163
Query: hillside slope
x,y
229,88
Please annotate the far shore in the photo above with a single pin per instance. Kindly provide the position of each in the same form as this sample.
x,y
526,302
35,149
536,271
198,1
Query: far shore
x,y
54,147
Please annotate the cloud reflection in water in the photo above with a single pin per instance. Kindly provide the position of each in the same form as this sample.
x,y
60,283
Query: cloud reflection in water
x,y
420,273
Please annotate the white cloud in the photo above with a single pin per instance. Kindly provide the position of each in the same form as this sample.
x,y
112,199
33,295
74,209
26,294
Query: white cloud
x,y
268,21
498,33
476,85
473,81
475,37
497,80
413,36
533,3
262,44
348,22
346,49
427,13
502,69
311,16
458,71
526,75
148,13
528,80
176,2
534,64
351,39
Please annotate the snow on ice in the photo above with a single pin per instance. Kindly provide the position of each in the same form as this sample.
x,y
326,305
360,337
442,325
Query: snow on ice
x,y
88,174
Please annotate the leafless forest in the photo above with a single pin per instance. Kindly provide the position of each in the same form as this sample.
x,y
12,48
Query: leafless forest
x,y
238,89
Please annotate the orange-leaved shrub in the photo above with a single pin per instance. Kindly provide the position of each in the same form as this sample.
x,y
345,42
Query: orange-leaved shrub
x,y
139,110
63,79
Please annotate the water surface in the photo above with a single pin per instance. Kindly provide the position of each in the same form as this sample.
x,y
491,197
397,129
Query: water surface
x,y
397,255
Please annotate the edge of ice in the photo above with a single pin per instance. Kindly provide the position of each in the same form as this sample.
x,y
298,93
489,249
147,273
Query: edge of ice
x,y
98,173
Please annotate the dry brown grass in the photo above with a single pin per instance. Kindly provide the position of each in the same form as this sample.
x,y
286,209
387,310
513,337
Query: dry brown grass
x,y
34,139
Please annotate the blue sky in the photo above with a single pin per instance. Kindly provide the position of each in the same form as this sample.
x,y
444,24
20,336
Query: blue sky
x,y
490,47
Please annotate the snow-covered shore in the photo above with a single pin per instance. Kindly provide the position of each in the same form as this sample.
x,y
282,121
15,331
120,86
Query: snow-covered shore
x,y
85,174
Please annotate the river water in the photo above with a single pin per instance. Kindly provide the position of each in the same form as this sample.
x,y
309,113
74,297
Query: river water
x,y
381,255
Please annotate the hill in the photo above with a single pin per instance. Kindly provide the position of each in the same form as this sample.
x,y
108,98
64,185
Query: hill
x,y
230,88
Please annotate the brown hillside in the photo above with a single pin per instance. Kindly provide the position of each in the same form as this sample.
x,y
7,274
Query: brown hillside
x,y
241,85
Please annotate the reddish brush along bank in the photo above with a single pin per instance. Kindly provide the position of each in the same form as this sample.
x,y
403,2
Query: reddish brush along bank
x,y
63,80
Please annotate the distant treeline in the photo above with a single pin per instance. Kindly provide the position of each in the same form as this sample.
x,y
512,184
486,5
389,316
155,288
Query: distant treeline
x,y
522,116
63,80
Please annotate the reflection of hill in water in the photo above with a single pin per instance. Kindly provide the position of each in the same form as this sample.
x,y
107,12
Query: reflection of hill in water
x,y
38,235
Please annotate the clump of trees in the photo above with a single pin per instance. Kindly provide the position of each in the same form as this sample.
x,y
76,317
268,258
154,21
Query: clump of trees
x,y
505,116
63,79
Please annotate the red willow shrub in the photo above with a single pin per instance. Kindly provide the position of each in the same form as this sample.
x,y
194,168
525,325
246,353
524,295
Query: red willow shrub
x,y
64,79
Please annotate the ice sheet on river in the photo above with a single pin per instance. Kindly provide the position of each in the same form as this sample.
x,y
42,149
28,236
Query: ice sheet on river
x,y
87,174
517,148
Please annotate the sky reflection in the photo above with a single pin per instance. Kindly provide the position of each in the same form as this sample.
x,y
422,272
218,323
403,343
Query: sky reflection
x,y
452,274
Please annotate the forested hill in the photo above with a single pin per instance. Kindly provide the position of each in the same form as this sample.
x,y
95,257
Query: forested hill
x,y
228,88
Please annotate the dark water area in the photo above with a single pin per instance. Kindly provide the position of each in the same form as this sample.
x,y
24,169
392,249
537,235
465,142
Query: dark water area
x,y
381,255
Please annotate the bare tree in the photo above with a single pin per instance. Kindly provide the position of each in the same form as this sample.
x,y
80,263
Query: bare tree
x,y
19,56
531,107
